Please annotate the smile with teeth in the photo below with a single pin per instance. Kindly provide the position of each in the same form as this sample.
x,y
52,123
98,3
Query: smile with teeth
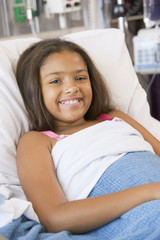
x,y
70,102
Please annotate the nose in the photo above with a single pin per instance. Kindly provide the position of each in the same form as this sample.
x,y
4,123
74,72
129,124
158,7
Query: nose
x,y
71,88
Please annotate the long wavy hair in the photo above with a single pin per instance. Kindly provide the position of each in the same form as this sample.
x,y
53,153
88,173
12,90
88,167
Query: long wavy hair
x,y
28,79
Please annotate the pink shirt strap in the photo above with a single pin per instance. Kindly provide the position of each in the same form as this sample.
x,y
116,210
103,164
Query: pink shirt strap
x,y
51,134
104,117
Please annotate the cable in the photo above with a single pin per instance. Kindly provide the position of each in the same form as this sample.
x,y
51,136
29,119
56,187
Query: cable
x,y
151,82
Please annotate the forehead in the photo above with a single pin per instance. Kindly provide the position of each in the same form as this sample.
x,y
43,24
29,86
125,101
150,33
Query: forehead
x,y
64,58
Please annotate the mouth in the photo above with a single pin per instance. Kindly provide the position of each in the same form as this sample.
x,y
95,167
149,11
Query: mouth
x,y
71,101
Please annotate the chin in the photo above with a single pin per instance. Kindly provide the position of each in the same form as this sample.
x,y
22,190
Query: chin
x,y
72,119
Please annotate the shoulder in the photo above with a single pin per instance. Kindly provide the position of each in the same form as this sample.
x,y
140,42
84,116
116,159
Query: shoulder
x,y
29,135
117,113
36,139
125,117
33,152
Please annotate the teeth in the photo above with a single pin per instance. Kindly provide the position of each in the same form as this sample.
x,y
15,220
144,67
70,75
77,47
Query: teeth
x,y
70,102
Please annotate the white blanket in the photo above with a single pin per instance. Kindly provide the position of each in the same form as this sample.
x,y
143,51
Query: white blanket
x,y
13,204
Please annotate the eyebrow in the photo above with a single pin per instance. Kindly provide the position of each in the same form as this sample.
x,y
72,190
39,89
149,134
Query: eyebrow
x,y
62,72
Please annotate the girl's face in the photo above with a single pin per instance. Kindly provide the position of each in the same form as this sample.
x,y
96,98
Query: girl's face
x,y
66,88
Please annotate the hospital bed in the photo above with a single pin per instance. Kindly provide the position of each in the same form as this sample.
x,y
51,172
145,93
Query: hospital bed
x,y
108,50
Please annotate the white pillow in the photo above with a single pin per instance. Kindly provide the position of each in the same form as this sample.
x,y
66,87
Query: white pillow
x,y
109,52
13,117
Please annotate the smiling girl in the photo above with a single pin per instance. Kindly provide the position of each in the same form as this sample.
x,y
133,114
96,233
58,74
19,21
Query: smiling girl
x,y
86,169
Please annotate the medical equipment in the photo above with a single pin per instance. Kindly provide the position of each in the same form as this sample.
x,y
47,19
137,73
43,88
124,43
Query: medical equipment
x,y
97,13
61,7
147,51
122,10
26,10
31,14
151,12
147,42
19,17
4,18
119,11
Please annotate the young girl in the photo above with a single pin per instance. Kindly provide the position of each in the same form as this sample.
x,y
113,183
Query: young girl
x,y
84,169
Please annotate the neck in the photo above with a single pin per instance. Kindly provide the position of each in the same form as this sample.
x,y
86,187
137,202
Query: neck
x,y
70,127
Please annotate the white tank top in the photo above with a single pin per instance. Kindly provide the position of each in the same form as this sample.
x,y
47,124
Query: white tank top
x,y
80,159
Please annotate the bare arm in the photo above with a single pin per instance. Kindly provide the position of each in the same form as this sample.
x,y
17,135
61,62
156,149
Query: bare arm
x,y
38,178
145,133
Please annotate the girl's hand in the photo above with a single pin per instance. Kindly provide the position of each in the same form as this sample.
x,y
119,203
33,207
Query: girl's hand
x,y
154,190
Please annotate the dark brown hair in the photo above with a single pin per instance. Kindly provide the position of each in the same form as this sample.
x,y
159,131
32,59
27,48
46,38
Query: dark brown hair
x,y
28,79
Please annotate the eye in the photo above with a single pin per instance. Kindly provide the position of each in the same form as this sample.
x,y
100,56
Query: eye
x,y
55,81
81,78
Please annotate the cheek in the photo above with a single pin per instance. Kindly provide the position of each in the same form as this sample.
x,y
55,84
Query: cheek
x,y
48,98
